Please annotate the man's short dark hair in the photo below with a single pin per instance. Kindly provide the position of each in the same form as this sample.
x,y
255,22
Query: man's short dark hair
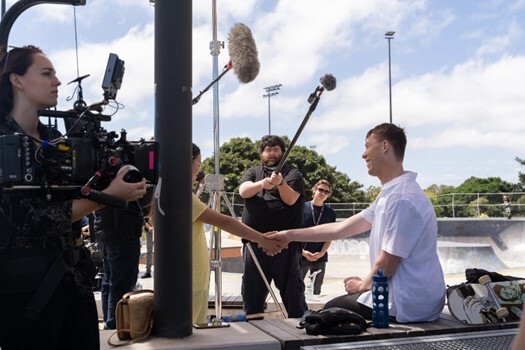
x,y
394,134
272,141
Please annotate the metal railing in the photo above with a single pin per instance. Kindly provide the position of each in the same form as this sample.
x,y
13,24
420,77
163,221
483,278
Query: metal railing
x,y
446,205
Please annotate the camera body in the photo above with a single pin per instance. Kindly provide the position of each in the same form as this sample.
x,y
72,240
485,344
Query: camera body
x,y
87,156
74,161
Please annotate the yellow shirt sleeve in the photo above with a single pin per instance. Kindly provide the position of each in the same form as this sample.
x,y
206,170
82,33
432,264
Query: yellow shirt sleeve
x,y
200,261
198,207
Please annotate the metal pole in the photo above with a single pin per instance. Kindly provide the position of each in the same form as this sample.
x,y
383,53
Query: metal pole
x,y
216,263
16,9
389,36
269,116
173,130
390,79
271,91
215,48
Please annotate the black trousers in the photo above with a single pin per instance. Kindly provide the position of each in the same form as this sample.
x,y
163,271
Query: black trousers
x,y
66,322
349,302
283,269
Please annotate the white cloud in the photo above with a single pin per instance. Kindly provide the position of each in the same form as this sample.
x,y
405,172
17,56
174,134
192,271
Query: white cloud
x,y
498,44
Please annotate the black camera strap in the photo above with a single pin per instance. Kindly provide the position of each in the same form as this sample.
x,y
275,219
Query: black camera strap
x,y
7,231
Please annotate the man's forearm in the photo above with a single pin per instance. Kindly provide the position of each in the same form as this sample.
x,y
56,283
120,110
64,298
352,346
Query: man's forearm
x,y
288,194
249,189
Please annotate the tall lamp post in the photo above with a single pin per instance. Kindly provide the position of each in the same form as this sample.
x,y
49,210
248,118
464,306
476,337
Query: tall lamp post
x,y
271,91
389,36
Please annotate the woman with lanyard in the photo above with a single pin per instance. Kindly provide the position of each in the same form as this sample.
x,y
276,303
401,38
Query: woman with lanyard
x,y
314,254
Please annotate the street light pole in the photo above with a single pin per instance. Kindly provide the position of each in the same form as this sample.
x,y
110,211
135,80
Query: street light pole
x,y
271,91
389,36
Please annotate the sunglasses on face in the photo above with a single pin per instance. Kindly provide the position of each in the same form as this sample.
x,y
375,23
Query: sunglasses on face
x,y
327,192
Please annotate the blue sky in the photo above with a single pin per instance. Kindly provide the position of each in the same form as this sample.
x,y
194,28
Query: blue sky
x,y
457,75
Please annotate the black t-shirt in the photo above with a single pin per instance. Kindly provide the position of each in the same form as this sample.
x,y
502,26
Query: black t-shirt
x,y
266,211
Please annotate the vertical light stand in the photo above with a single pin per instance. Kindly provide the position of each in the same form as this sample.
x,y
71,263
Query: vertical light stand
x,y
389,36
271,91
215,187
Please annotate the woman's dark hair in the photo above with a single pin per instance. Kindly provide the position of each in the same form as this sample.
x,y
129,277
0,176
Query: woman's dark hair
x,y
271,140
17,61
195,151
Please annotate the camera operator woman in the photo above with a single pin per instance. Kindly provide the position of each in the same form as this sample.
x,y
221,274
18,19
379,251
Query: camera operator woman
x,y
46,299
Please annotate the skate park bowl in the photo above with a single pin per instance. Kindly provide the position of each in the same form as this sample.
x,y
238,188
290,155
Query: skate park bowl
x,y
492,244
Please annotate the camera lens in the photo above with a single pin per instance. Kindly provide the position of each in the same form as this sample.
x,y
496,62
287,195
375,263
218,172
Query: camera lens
x,y
133,175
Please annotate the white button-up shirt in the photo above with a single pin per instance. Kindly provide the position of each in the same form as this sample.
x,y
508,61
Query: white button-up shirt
x,y
404,224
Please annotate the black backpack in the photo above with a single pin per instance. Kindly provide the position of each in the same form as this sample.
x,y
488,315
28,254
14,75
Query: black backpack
x,y
332,321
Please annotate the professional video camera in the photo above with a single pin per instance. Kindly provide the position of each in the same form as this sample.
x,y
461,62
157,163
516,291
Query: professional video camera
x,y
87,156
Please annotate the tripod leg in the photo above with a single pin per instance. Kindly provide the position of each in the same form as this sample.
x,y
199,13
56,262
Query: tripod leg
x,y
254,257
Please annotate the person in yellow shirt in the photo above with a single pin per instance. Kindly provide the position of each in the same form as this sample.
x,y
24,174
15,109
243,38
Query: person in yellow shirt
x,y
202,214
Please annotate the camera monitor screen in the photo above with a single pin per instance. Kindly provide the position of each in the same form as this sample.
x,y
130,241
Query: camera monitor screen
x,y
113,77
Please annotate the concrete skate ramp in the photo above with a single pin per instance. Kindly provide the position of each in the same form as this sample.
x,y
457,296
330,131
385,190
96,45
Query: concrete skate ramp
x,y
491,244
456,257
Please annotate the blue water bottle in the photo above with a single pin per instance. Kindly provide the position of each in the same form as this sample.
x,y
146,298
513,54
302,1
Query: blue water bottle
x,y
240,317
380,300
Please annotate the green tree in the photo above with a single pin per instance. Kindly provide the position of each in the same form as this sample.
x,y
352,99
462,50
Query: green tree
x,y
371,193
441,197
521,176
238,154
472,186
235,156
479,208
517,210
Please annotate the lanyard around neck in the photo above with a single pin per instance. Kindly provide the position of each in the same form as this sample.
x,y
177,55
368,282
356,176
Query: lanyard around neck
x,y
313,214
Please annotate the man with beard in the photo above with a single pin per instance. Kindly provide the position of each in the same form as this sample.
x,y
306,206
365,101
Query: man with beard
x,y
273,201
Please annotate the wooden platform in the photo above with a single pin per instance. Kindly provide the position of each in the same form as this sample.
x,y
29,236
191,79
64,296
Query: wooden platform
x,y
290,337
229,301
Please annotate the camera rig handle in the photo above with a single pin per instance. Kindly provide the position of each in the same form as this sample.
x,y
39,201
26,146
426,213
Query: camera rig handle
x,y
108,168
103,198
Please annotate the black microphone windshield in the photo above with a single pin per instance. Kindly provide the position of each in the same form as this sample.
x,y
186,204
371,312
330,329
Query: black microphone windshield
x,y
243,53
328,81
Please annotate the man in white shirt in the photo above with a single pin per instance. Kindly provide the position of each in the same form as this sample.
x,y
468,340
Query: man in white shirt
x,y
403,236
